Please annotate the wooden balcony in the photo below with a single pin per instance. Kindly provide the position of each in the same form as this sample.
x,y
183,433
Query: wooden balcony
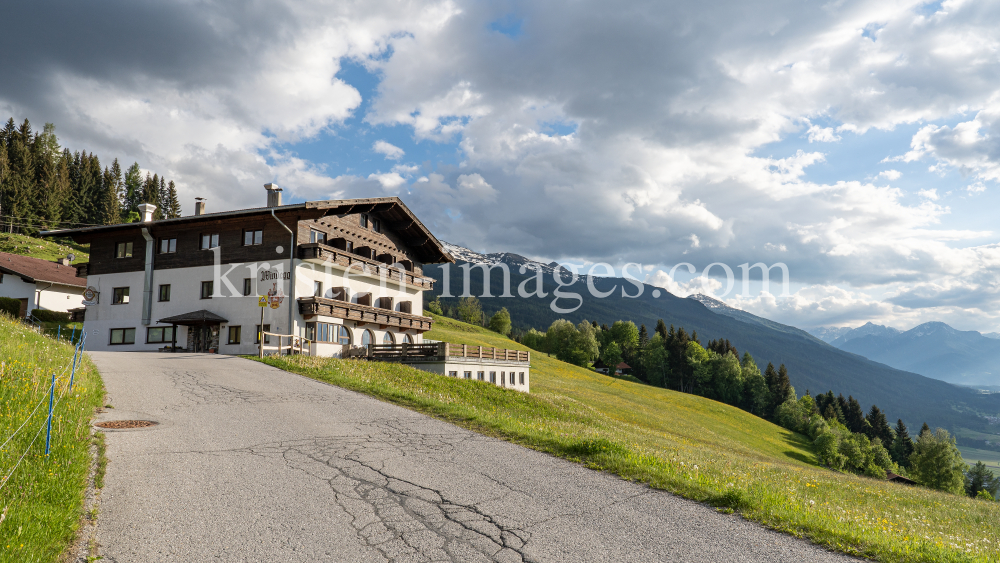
x,y
439,352
362,314
318,253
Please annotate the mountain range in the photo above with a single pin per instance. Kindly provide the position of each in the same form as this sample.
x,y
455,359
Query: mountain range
x,y
934,349
813,364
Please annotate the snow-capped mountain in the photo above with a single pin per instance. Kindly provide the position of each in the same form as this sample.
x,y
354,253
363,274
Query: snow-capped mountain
x,y
513,261
829,333
867,329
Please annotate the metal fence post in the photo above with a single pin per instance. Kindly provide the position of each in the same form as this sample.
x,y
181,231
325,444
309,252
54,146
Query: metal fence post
x,y
72,372
52,395
58,332
72,336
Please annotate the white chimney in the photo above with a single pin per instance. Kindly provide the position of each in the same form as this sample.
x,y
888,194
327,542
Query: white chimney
x,y
199,206
147,210
273,195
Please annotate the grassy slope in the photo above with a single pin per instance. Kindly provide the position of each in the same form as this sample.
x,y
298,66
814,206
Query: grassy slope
x,y
685,444
45,249
42,501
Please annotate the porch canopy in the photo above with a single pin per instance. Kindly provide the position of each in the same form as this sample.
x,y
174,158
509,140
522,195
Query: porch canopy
x,y
194,318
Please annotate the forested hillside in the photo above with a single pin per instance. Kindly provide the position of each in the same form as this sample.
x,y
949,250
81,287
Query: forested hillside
x,y
45,186
812,364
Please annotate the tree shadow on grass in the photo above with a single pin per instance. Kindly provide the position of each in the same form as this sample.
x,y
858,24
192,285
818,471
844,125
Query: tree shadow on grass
x,y
799,441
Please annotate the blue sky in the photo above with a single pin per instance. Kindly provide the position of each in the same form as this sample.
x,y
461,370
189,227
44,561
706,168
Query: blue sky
x,y
576,131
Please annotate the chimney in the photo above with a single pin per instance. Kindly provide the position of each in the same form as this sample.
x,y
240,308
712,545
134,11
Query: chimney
x,y
273,195
199,206
147,210
63,261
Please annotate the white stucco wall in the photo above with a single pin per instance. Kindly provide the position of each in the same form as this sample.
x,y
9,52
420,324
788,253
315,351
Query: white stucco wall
x,y
185,297
53,297
460,369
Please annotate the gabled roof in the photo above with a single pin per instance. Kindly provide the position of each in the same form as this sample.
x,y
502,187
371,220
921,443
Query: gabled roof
x,y
193,318
392,210
34,270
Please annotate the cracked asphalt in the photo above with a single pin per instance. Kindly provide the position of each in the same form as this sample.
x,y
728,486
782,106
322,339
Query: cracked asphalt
x,y
251,463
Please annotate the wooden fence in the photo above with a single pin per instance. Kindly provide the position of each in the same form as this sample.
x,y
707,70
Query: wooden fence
x,y
296,344
438,350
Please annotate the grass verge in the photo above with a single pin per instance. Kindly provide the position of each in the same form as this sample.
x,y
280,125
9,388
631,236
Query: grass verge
x,y
42,500
688,445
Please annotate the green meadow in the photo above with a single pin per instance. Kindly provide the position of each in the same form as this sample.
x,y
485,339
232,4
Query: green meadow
x,y
688,445
41,498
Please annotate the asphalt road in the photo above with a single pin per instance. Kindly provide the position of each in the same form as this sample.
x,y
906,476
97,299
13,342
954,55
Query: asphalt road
x,y
250,463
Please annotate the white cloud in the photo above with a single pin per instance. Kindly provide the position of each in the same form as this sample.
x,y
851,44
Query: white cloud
x,y
890,174
819,134
391,152
930,194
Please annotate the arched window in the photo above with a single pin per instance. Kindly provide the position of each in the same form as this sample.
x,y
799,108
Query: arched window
x,y
388,338
367,338
343,335
407,339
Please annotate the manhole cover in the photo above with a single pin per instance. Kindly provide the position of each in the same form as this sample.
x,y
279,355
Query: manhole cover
x,y
124,424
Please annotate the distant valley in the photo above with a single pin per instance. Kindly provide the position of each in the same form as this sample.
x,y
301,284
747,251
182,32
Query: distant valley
x,y
933,349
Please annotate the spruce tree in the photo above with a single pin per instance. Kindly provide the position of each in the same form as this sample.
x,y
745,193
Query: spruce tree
x,y
19,192
855,417
133,189
643,337
661,329
162,201
980,478
4,168
878,427
779,386
902,446
924,430
174,205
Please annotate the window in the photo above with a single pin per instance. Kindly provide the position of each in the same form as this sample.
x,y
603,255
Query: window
x,y
349,246
318,289
123,250
122,336
512,382
407,339
481,376
387,338
209,241
317,236
234,334
468,375
206,289
250,238
364,220
377,225
493,377
119,296
1,277
343,335
367,338
265,328
247,286
165,292
521,376
168,245
159,334
452,374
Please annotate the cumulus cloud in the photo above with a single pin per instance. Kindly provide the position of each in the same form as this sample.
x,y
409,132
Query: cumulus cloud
x,y
817,134
391,152
669,105
890,174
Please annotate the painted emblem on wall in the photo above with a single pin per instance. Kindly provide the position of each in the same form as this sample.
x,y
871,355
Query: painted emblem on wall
x,y
91,296
275,296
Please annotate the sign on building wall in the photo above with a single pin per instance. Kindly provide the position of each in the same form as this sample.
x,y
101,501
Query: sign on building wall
x,y
91,296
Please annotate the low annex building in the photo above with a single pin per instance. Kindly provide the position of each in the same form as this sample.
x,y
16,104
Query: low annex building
x,y
40,284
339,275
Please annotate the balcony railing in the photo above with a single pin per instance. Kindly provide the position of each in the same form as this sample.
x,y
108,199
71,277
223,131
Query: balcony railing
x,y
321,253
362,314
438,351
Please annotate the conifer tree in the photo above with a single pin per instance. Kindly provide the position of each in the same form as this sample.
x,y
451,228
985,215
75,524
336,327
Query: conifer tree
x,y
779,385
91,189
855,417
643,337
661,329
174,205
162,201
3,174
902,446
924,430
112,194
133,189
878,427
19,188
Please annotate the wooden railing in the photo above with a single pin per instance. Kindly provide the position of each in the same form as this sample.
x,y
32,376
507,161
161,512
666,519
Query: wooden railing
x,y
441,351
362,314
296,344
323,253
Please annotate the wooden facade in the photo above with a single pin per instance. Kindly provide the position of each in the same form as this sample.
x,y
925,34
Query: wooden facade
x,y
311,307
